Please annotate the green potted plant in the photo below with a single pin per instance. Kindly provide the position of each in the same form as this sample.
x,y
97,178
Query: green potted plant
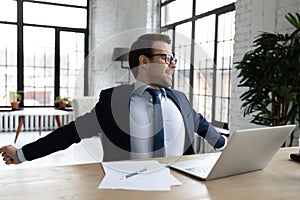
x,y
16,97
62,102
272,73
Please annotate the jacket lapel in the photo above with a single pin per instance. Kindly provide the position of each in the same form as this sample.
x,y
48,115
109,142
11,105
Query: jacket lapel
x,y
172,96
120,102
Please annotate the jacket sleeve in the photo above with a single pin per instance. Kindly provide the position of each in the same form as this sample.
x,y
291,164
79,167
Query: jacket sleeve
x,y
59,139
207,131
85,126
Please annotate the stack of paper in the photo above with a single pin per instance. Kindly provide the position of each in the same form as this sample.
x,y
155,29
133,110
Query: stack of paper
x,y
157,177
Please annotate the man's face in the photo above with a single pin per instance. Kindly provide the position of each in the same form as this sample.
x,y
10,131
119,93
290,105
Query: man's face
x,y
158,72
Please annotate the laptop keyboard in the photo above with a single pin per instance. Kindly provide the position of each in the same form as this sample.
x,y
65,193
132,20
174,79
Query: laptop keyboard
x,y
202,166
200,169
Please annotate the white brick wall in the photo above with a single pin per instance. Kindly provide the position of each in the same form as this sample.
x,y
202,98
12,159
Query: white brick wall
x,y
116,23
253,16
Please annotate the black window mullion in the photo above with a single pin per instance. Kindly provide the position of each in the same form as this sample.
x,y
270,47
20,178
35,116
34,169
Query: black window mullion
x,y
192,54
54,4
86,51
173,48
167,2
215,70
86,68
20,50
217,11
57,63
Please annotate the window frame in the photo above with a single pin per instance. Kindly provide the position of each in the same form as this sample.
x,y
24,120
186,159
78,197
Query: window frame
x,y
20,43
217,12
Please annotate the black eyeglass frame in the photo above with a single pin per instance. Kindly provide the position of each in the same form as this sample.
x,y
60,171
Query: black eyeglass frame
x,y
168,57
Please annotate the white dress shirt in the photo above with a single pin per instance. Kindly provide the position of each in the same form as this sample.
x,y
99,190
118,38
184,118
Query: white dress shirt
x,y
141,124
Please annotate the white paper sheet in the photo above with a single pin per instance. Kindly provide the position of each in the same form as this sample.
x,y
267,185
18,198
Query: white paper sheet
x,y
156,178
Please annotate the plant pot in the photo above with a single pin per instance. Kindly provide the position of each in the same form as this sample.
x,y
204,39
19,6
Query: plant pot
x,y
14,105
62,105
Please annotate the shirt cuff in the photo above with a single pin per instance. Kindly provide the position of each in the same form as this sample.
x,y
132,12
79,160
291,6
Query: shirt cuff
x,y
21,155
226,140
221,141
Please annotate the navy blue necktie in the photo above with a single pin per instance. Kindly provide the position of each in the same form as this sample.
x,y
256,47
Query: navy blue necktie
x,y
158,138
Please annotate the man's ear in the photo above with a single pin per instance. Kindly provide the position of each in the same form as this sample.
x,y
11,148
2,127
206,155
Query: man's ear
x,y
143,60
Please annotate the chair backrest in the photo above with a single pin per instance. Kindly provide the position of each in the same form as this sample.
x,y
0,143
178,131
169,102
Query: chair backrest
x,y
83,104
92,145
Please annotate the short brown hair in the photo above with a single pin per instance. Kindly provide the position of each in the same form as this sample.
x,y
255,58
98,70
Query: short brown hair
x,y
143,46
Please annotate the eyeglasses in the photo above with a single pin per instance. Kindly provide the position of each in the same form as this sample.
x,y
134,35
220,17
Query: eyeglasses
x,y
168,57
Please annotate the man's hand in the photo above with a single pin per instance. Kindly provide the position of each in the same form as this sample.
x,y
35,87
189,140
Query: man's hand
x,y
9,154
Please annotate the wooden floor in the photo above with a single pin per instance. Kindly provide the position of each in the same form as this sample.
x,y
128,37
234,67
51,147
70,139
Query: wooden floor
x,y
75,154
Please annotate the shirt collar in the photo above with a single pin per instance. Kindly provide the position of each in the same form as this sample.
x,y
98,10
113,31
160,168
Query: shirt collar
x,y
140,87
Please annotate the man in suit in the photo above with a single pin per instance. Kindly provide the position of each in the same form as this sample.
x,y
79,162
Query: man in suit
x,y
124,115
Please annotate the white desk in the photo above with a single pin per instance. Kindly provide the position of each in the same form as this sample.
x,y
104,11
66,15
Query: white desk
x,y
279,180
37,112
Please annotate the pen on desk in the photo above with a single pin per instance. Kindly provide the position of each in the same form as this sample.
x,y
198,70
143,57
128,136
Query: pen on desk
x,y
134,173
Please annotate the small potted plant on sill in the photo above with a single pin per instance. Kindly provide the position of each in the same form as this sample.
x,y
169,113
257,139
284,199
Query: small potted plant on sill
x,y
15,101
62,102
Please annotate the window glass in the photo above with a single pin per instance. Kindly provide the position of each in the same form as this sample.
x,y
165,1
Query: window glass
x,y
183,53
38,66
71,64
224,64
8,10
176,11
203,6
35,13
226,26
8,62
203,64
205,36
221,113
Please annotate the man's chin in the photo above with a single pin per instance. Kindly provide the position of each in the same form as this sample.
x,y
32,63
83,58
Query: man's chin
x,y
161,85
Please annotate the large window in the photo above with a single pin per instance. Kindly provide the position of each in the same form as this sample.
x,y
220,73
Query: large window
x,y
202,33
8,61
42,49
38,65
71,60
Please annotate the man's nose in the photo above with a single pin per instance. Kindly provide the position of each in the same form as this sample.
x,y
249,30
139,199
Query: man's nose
x,y
172,64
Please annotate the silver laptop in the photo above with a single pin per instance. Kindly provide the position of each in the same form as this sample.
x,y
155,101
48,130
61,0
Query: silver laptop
x,y
247,150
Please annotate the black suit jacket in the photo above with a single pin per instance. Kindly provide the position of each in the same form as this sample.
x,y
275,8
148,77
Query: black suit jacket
x,y
110,117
